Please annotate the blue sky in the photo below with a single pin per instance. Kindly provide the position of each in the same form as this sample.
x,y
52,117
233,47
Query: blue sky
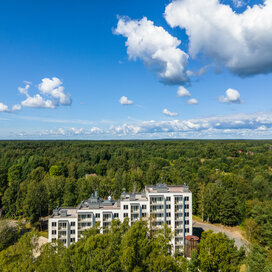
x,y
75,60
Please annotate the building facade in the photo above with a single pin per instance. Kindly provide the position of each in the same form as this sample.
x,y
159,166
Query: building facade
x,y
164,204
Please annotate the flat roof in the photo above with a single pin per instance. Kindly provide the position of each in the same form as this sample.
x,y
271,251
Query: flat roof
x,y
167,189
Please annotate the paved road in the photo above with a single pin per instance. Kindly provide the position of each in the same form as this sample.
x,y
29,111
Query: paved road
x,y
239,240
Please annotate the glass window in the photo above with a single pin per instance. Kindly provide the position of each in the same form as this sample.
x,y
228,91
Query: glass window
x,y
125,207
143,207
54,224
73,224
97,215
125,214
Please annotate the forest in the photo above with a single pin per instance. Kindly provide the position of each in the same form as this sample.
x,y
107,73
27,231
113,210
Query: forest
x,y
230,181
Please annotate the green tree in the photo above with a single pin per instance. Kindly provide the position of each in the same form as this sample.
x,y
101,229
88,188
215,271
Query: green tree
x,y
218,253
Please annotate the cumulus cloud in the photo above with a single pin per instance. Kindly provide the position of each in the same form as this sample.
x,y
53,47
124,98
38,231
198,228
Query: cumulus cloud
x,y
48,87
169,113
183,92
234,124
24,90
238,3
16,107
37,101
3,107
155,47
125,101
192,101
231,96
241,42
54,88
255,125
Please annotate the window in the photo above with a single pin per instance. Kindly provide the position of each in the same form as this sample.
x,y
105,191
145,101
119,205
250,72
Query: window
x,y
62,225
54,232
186,222
63,241
115,215
72,231
125,207
168,222
179,231
54,224
186,198
143,214
186,230
97,215
125,215
186,206
186,214
168,206
168,214
73,240
143,207
135,216
168,198
134,208
89,224
73,224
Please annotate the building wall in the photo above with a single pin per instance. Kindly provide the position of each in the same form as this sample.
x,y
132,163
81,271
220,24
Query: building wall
x,y
178,216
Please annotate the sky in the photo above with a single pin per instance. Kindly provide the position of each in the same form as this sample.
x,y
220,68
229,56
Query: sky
x,y
117,69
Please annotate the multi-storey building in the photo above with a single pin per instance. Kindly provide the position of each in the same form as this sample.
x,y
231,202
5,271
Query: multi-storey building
x,y
163,204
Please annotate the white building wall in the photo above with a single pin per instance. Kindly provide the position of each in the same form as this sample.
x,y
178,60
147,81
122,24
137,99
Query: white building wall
x,y
186,208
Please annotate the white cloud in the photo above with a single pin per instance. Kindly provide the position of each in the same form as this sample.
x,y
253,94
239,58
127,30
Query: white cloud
x,y
169,113
199,72
155,47
238,3
232,96
50,87
255,125
53,88
192,101
38,102
3,107
241,42
125,101
24,90
183,92
16,107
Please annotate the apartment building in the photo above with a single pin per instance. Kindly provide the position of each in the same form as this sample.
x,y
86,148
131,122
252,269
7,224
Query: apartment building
x,y
164,204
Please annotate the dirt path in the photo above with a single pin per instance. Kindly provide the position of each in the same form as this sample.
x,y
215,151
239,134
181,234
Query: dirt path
x,y
230,232
41,241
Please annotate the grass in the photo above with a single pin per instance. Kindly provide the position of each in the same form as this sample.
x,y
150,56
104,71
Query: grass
x,y
44,234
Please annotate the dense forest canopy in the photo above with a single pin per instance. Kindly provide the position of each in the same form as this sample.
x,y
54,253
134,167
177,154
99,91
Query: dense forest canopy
x,y
230,180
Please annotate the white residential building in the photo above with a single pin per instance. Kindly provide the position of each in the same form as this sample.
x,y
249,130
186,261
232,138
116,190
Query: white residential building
x,y
165,204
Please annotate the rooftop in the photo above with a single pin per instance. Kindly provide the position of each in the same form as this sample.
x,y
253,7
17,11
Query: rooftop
x,y
163,188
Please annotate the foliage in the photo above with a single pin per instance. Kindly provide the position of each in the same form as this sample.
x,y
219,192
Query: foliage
x,y
218,253
231,181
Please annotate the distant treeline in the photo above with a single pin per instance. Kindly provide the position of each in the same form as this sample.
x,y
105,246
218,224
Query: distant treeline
x,y
231,181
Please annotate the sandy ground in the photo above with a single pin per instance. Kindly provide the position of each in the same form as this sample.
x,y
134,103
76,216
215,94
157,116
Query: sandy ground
x,y
41,241
232,233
